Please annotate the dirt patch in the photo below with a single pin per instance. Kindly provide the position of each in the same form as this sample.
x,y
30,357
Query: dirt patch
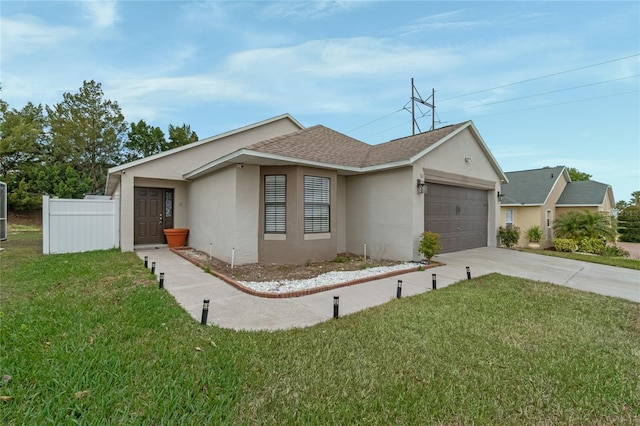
x,y
30,218
258,272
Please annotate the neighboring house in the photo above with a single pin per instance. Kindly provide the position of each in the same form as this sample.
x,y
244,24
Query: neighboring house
x,y
276,192
539,196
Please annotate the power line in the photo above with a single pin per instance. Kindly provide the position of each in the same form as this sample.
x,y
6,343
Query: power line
x,y
541,77
507,85
525,109
544,93
377,119
560,103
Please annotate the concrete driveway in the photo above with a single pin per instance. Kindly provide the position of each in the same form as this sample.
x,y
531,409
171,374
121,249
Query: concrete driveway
x,y
232,308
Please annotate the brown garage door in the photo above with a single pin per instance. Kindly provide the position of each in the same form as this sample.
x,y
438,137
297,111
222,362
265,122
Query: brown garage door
x,y
459,215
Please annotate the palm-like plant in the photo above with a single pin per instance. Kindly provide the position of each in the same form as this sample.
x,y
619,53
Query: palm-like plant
x,y
587,224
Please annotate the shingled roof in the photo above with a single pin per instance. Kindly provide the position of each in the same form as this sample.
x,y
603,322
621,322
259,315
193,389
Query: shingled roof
x,y
583,193
317,143
324,145
530,187
319,146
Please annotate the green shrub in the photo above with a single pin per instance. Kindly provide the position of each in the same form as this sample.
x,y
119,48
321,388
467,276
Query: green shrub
x,y
629,224
429,244
614,251
564,244
587,224
508,237
591,245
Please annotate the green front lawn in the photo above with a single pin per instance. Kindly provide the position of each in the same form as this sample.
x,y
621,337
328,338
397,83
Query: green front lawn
x,y
89,339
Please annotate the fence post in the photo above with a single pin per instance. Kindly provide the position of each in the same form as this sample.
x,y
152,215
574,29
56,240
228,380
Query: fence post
x,y
45,224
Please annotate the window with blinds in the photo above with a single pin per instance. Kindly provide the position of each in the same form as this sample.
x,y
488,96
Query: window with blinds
x,y
317,200
275,204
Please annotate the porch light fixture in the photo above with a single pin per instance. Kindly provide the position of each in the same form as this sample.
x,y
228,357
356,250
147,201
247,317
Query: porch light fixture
x,y
500,197
421,184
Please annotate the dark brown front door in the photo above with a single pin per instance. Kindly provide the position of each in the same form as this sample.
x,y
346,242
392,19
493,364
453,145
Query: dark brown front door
x,y
150,214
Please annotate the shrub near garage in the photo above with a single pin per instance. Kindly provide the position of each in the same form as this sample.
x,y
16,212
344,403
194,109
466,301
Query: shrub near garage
x,y
508,237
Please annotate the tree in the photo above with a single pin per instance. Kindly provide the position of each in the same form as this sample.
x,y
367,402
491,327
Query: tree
x,y
635,198
576,175
179,136
87,133
621,204
22,138
143,141
629,224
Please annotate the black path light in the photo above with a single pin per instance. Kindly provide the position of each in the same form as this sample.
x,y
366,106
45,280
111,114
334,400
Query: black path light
x,y
336,306
399,290
161,281
433,282
205,312
468,273
153,268
146,261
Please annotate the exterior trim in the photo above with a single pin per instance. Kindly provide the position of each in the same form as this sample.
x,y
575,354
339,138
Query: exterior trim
x,y
453,179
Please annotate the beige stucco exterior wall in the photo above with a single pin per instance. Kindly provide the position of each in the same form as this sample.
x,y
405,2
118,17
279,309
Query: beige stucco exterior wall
x,y
380,212
448,164
295,246
172,167
223,214
523,218
341,225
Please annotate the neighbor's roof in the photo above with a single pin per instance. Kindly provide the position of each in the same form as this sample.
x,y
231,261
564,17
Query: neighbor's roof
x,y
583,193
531,187
319,146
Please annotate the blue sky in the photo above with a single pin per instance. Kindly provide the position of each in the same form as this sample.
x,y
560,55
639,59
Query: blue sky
x,y
546,83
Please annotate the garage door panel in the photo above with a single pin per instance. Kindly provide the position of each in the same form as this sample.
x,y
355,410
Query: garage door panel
x,y
458,214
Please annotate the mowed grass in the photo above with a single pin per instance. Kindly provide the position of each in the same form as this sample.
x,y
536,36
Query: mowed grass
x,y
90,339
620,262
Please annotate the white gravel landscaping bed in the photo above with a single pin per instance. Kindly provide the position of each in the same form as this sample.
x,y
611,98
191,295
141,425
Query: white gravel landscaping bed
x,y
329,278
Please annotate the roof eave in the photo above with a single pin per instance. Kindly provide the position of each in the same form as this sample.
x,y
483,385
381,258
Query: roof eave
x,y
204,141
229,159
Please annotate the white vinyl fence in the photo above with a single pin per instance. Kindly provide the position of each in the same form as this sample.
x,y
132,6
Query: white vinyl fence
x,y
71,226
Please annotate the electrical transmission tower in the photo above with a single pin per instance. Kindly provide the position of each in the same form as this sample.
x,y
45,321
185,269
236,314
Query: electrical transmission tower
x,y
429,102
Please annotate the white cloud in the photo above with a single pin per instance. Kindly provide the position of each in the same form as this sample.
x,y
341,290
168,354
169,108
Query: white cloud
x,y
101,14
305,10
354,57
23,34
440,22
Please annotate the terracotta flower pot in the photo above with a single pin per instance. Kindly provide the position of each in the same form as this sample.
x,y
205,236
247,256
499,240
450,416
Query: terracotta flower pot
x,y
176,237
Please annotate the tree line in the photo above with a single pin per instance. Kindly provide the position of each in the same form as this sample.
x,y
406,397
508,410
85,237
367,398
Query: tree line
x,y
65,150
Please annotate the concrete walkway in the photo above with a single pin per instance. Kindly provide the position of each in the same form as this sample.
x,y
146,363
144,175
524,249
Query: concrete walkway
x,y
231,308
